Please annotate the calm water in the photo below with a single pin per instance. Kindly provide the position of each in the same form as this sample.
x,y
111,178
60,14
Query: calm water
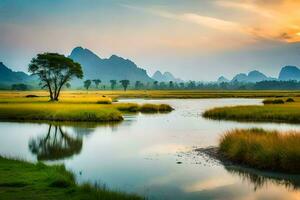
x,y
151,155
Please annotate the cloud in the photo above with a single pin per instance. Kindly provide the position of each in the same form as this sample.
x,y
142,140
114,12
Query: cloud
x,y
269,19
190,17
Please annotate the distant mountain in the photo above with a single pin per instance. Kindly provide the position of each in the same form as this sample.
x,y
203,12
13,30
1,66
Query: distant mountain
x,y
222,79
251,77
7,76
107,69
289,73
165,77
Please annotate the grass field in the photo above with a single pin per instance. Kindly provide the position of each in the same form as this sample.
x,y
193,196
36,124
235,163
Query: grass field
x,y
78,106
289,112
49,111
22,180
93,96
263,149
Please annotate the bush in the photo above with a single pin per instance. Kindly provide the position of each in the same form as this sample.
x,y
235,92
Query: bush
x,y
290,100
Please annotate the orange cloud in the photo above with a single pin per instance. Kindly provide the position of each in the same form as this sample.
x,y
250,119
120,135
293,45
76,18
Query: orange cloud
x,y
276,19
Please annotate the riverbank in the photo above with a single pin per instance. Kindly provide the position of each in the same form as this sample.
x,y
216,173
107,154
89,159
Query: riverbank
x,y
260,149
50,111
285,113
23,180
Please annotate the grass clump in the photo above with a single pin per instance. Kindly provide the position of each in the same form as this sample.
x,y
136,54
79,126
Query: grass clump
x,y
273,101
262,149
154,108
287,113
23,180
149,108
165,108
128,107
145,108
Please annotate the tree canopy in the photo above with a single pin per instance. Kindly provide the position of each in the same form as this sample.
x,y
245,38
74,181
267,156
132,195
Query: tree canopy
x,y
87,84
54,71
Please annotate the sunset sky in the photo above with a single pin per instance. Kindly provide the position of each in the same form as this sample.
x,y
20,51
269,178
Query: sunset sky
x,y
194,39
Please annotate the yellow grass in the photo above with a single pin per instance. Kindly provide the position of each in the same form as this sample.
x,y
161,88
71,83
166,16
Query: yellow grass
x,y
263,149
93,96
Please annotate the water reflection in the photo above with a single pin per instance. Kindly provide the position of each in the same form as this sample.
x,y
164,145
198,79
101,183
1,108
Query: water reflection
x,y
261,179
55,145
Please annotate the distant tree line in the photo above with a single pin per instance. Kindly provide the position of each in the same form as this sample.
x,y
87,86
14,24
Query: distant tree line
x,y
193,85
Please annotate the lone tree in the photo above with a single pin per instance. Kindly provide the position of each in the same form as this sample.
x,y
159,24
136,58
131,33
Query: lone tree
x,y
97,82
54,71
113,84
125,84
87,84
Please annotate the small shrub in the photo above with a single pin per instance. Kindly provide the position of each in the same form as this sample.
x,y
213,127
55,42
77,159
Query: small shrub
x,y
290,100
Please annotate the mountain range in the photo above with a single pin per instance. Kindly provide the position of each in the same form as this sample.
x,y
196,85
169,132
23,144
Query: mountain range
x,y
106,69
285,74
165,77
7,76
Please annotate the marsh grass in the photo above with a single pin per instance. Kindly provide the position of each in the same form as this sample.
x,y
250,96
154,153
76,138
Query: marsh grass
x,y
287,113
68,112
59,112
23,180
263,149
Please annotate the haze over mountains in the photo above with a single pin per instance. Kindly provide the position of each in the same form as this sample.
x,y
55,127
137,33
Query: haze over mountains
x,y
7,76
286,73
118,68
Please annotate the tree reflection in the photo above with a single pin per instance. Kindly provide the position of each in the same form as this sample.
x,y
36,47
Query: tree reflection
x,y
57,144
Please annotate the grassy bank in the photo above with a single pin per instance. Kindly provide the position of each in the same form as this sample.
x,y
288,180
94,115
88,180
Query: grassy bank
x,y
49,111
58,112
22,180
263,149
287,113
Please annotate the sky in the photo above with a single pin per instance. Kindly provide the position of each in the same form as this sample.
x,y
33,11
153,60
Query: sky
x,y
193,39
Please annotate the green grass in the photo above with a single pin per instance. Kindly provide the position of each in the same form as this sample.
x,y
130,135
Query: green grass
x,y
23,180
287,113
64,112
58,112
262,149
93,96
